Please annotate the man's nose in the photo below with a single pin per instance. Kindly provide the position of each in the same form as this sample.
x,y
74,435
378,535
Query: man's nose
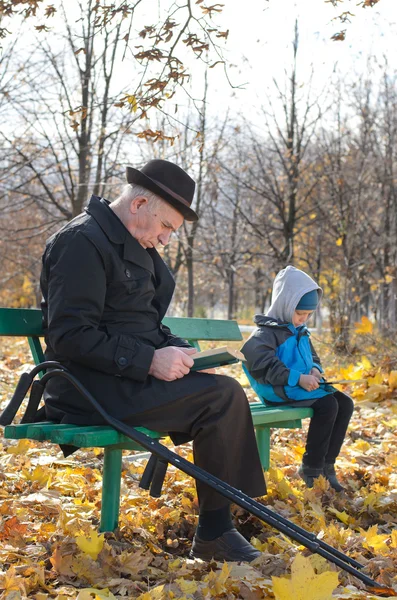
x,y
164,238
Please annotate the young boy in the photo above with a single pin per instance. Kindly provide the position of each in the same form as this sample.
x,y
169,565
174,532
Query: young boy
x,y
283,368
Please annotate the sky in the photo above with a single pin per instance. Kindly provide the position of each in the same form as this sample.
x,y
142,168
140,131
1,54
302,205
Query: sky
x,y
260,44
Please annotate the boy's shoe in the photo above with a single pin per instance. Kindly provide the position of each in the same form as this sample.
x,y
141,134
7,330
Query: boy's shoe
x,y
309,474
230,546
329,473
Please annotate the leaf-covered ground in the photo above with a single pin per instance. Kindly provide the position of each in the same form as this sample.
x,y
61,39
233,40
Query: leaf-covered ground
x,y
49,511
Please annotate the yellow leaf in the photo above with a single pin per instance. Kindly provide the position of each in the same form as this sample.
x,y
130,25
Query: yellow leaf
x,y
174,564
312,216
91,545
393,379
342,516
388,279
361,446
377,380
365,363
94,594
304,583
374,540
21,448
352,372
39,475
339,241
133,103
187,587
365,326
262,547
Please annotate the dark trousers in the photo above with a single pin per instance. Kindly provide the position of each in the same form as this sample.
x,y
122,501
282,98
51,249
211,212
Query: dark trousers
x,y
219,422
327,428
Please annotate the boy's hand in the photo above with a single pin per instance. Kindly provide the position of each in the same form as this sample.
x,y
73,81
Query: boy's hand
x,y
308,382
316,373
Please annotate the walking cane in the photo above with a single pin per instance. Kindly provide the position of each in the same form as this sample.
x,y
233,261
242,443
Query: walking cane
x,y
270,517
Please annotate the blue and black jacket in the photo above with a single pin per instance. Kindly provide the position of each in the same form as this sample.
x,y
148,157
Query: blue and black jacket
x,y
277,354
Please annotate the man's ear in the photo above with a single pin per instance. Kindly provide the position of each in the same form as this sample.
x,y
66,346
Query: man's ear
x,y
137,203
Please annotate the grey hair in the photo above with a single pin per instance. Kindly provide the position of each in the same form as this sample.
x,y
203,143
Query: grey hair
x,y
132,191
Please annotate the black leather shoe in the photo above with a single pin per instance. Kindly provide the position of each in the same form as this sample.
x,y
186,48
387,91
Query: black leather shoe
x,y
329,473
230,546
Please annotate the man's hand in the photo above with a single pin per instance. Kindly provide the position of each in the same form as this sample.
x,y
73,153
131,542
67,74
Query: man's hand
x,y
171,363
308,382
314,371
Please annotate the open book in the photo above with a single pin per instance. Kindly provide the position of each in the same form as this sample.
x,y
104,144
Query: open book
x,y
216,357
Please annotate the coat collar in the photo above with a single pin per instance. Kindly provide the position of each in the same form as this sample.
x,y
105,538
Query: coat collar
x,y
117,233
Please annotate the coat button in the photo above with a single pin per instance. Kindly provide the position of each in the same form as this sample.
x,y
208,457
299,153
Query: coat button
x,y
128,273
122,361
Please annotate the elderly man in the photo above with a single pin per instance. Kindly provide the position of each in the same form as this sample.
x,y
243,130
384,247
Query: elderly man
x,y
105,293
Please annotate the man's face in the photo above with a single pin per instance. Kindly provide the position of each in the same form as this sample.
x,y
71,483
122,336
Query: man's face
x,y
153,225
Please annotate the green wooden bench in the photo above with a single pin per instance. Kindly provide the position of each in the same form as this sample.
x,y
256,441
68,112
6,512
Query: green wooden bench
x,y
27,323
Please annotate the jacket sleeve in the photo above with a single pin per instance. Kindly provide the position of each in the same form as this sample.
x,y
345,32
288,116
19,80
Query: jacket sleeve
x,y
262,362
174,340
76,278
316,360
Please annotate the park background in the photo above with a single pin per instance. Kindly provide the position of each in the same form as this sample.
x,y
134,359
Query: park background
x,y
286,115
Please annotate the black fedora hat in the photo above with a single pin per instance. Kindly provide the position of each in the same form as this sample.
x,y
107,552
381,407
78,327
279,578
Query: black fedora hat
x,y
168,181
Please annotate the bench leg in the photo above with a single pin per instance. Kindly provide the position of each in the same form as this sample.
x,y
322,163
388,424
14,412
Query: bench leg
x,y
263,443
111,480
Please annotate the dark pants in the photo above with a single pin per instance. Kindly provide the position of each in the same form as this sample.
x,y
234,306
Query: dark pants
x,y
219,422
327,428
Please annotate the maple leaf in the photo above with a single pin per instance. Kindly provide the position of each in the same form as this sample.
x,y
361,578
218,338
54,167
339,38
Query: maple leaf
x,y
376,380
365,326
187,587
374,540
61,562
216,582
13,529
342,516
21,447
91,545
304,583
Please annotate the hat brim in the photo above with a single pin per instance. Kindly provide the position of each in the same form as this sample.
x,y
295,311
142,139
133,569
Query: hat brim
x,y
139,178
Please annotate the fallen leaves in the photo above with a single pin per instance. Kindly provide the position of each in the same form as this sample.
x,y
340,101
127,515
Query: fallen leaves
x,y
50,546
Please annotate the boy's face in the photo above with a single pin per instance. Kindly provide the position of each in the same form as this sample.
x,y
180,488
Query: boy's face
x,y
300,317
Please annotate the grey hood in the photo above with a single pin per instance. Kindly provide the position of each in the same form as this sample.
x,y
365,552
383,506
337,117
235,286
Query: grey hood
x,y
288,288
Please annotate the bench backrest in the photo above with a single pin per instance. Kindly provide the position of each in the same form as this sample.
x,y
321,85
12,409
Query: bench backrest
x,y
26,322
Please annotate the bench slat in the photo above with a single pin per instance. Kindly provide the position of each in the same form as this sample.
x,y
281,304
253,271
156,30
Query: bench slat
x,y
20,321
75,435
28,322
204,329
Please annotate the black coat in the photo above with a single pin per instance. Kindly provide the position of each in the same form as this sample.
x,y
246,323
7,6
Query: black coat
x,y
104,297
